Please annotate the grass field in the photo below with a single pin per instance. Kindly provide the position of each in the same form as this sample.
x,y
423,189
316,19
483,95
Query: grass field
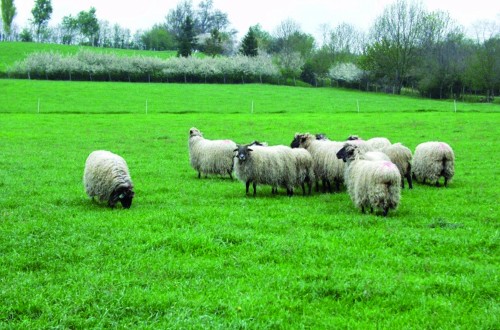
x,y
197,253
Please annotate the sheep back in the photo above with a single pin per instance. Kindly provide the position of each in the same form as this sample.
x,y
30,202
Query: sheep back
x,y
433,160
401,156
374,184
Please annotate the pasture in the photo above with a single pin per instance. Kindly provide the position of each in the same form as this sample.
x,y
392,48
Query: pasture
x,y
197,253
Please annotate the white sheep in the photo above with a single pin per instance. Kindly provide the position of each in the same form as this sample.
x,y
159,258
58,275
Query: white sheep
x,y
304,167
210,156
370,183
376,143
327,167
106,176
274,166
401,156
433,160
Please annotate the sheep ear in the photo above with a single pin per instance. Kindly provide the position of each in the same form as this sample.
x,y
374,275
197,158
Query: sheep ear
x,y
249,149
235,150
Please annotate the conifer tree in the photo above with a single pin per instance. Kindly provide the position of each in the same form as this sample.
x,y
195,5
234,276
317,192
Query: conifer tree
x,y
249,45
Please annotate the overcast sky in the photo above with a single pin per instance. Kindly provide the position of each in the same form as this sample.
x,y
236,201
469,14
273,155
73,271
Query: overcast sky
x,y
143,14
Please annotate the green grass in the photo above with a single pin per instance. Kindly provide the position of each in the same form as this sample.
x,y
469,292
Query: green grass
x,y
198,253
11,52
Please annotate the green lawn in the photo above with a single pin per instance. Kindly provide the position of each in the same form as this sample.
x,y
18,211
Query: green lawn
x,y
197,253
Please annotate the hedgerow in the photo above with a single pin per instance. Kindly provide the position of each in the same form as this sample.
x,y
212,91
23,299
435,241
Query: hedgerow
x,y
86,65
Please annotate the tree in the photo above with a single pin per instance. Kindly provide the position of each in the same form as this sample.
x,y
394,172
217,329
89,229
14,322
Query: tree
x,y
213,44
208,18
186,40
158,38
264,38
176,18
88,25
344,42
8,14
69,27
396,38
249,44
41,16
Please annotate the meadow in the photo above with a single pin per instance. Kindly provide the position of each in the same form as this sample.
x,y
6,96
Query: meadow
x,y
198,253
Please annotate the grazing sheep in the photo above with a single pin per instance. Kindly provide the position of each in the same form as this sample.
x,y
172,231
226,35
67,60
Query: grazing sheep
x,y
106,176
210,156
374,184
433,160
327,167
274,166
401,156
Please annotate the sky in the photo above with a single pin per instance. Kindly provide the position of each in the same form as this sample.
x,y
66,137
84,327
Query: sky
x,y
269,14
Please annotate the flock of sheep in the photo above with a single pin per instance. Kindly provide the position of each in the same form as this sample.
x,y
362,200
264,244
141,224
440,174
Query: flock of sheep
x,y
373,171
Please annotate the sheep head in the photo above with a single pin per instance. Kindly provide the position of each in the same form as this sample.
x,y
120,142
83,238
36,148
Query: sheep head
x,y
347,153
353,138
243,152
193,131
122,194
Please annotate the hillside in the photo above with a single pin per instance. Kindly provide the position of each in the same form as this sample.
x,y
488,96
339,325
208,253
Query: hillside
x,y
10,52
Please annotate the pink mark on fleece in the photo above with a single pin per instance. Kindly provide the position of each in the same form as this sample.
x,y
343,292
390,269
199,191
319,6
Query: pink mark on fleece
x,y
443,146
227,141
388,165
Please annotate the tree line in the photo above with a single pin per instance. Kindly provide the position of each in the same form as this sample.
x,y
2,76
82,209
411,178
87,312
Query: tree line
x,y
407,48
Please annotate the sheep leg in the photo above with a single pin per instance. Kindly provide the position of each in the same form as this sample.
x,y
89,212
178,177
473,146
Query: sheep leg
x,y
362,209
199,175
371,209
386,210
254,188
337,185
410,183
317,185
247,184
230,174
445,181
303,189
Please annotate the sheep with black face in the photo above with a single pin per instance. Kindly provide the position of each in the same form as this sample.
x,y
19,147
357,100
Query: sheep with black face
x,y
326,166
106,176
274,166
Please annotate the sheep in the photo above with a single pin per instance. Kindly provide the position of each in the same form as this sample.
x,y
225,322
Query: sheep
x,y
319,136
274,166
433,160
326,166
304,169
106,176
370,183
210,156
376,143
401,156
